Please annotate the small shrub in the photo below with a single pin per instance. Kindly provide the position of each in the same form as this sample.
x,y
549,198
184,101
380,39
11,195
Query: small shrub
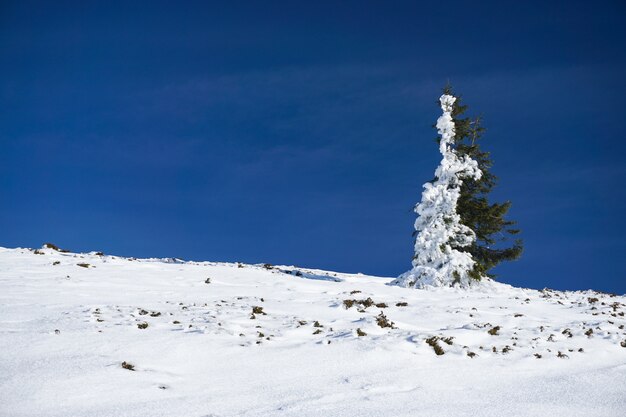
x,y
381,305
56,262
317,324
561,355
261,335
175,322
383,321
54,247
142,312
623,343
318,331
592,300
83,265
38,252
207,281
518,315
447,340
128,365
471,354
538,356
589,332
355,292
99,253
360,332
143,325
432,342
268,266
155,314
494,330
567,332
258,310
402,304
368,302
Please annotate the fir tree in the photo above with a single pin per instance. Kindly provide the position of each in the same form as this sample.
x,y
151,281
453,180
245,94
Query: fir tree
x,y
439,259
495,235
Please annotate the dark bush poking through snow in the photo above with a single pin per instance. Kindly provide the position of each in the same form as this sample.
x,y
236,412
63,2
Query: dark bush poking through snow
x,y
383,321
494,331
129,366
432,342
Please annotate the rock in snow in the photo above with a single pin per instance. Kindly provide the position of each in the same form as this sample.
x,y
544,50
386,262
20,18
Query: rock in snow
x,y
150,337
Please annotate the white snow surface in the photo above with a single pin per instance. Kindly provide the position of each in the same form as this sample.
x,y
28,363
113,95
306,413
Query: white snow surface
x,y
437,261
66,329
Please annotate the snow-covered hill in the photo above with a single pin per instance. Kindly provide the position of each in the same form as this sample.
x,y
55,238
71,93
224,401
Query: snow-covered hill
x,y
98,335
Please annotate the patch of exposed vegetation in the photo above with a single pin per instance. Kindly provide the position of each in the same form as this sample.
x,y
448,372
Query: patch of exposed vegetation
x,y
128,365
360,332
83,265
381,305
258,310
494,330
368,302
143,325
433,342
317,324
402,304
355,292
589,332
54,247
56,262
383,321
207,281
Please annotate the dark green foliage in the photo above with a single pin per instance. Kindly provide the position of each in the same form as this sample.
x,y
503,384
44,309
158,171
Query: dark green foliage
x,y
432,342
54,247
494,331
368,302
142,326
383,321
495,234
258,310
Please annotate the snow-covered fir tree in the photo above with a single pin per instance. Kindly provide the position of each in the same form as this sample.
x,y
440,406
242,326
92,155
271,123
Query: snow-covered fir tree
x,y
439,231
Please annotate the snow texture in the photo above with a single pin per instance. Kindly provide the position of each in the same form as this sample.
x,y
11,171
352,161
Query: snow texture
x,y
222,339
437,261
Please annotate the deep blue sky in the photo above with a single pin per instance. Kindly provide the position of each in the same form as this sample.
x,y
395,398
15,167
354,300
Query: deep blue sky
x,y
301,134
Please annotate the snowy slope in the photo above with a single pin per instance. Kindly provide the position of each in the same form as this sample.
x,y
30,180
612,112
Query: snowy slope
x,y
66,329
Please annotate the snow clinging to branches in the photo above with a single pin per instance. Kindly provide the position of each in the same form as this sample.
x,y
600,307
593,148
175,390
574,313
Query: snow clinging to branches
x,y
437,261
